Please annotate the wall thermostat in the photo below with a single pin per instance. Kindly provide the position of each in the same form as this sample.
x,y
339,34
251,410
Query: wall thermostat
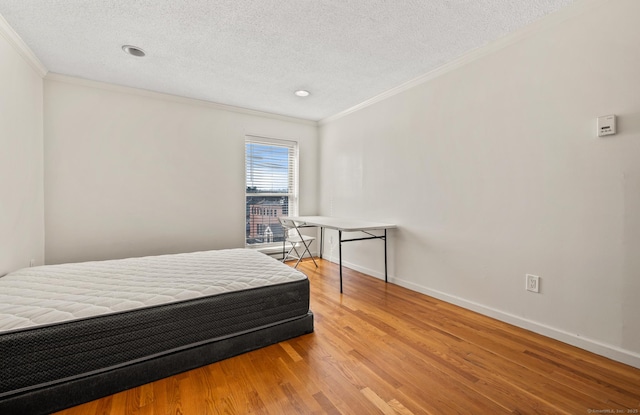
x,y
606,125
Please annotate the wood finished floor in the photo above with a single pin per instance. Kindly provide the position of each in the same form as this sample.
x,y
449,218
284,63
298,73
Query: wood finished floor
x,y
380,348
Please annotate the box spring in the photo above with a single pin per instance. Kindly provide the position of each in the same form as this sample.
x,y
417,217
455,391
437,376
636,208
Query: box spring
x,y
49,368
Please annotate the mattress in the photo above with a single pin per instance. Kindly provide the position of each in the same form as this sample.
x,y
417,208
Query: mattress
x,y
60,323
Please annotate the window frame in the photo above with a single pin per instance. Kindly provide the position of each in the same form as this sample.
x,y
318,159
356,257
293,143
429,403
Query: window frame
x,y
293,185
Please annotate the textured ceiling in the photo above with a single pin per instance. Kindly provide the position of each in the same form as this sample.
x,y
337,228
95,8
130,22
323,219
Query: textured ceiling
x,y
256,53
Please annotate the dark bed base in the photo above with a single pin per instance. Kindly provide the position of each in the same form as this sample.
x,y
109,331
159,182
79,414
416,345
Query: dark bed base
x,y
60,396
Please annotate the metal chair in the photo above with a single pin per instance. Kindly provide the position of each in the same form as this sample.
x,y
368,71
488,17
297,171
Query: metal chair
x,y
293,236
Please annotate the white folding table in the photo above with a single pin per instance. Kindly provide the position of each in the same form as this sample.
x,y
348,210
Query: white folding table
x,y
346,225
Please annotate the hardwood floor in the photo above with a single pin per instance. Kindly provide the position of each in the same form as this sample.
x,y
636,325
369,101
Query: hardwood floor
x,y
380,348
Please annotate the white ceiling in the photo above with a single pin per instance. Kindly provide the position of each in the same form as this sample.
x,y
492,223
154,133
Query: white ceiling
x,y
255,53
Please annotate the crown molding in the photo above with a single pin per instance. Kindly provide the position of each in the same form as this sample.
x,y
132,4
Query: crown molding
x,y
172,98
575,9
23,50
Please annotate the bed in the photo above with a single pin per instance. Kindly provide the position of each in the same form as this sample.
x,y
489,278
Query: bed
x,y
72,333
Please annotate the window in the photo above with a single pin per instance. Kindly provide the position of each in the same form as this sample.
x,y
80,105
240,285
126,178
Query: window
x,y
271,188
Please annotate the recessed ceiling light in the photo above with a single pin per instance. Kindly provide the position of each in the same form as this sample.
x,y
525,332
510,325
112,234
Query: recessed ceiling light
x,y
133,50
302,93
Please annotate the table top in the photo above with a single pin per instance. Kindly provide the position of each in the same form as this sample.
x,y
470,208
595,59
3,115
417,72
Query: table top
x,y
341,224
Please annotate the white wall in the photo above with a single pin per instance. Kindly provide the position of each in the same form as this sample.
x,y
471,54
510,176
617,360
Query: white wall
x,y
132,173
492,170
21,181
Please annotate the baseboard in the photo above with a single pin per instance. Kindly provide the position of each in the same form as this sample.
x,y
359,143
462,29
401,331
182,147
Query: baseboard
x,y
370,272
600,348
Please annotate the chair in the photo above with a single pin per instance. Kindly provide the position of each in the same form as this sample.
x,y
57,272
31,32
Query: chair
x,y
293,236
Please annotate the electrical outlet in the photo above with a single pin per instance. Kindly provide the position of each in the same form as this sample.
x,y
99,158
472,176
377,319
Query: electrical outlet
x,y
32,263
533,283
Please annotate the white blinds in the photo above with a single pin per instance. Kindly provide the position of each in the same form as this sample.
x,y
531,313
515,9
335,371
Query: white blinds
x,y
270,166
271,187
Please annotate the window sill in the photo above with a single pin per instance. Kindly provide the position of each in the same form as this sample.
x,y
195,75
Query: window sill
x,y
273,250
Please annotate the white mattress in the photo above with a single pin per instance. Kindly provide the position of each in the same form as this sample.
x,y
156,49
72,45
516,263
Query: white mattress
x,y
56,293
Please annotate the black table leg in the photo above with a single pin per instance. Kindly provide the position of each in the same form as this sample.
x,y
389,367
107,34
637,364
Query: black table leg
x,y
385,255
340,256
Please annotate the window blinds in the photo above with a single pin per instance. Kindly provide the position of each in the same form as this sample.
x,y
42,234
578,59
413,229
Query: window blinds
x,y
270,167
